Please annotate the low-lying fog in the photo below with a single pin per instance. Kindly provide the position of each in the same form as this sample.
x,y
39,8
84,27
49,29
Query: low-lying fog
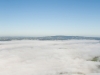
x,y
34,57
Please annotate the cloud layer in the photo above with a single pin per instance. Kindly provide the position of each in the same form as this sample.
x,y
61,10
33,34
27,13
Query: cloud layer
x,y
34,57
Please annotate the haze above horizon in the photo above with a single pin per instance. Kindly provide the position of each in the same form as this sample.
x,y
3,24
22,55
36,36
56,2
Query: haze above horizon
x,y
50,17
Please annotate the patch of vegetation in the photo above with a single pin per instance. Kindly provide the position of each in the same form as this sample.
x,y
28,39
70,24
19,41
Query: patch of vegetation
x,y
95,58
68,73
98,66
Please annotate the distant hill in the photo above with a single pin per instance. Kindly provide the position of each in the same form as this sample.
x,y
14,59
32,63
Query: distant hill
x,y
67,38
49,38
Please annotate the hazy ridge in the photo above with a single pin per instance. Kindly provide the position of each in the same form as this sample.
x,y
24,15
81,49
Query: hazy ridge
x,y
49,38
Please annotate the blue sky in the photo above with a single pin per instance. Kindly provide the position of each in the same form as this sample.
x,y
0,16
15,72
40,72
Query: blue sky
x,y
49,17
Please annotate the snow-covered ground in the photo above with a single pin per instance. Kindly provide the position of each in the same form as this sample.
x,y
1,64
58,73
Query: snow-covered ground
x,y
34,57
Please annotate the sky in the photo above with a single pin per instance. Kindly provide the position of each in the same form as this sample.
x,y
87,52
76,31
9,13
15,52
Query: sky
x,y
50,17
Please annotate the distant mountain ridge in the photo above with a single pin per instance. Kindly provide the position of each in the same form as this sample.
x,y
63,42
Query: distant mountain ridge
x,y
49,38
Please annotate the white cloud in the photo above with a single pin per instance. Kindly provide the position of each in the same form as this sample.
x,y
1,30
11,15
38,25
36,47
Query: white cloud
x,y
70,57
